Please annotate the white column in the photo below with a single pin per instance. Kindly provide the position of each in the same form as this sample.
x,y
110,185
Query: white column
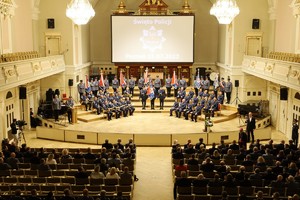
x,y
295,5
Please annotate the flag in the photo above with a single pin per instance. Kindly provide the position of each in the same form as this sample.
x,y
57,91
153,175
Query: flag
x,y
101,81
87,83
122,79
150,92
146,76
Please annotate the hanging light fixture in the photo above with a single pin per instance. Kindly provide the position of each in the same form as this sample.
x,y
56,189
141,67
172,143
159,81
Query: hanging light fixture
x,y
80,11
225,10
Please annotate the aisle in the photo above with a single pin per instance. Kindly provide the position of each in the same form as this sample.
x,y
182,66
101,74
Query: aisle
x,y
153,168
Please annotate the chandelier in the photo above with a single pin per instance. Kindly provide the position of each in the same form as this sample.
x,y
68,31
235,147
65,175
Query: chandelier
x,y
225,10
80,11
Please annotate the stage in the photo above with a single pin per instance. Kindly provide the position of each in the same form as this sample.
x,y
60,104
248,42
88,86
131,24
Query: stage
x,y
150,129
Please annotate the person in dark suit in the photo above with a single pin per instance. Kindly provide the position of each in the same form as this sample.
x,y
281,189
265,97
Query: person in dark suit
x,y
107,145
183,181
243,138
295,132
174,107
144,97
161,96
250,127
14,130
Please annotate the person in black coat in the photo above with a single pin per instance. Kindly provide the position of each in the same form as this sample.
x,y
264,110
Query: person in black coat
x,y
243,139
295,133
250,126
161,96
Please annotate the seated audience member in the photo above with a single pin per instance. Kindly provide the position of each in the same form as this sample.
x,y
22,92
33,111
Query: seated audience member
x,y
292,169
247,161
234,145
269,176
186,145
278,183
103,195
78,154
256,175
128,161
222,168
192,160
215,155
131,146
229,181
126,175
216,181
181,166
269,158
200,181
112,173
81,174
89,155
3,165
190,149
96,174
229,155
213,148
261,163
278,169
33,196
67,195
114,161
50,160
291,184
201,142
65,154
119,146
43,166
182,181
35,159
107,145
85,195
259,195
178,154
12,161
207,165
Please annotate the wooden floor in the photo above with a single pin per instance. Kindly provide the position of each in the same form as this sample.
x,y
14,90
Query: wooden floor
x,y
153,165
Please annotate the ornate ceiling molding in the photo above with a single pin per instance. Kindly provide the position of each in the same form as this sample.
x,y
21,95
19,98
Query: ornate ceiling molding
x,y
35,9
295,5
7,8
273,5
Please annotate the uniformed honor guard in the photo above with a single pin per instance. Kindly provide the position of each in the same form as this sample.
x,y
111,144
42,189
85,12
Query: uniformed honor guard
x,y
106,84
131,84
56,105
196,112
157,85
81,88
141,83
216,84
174,107
96,105
206,84
188,110
182,83
70,106
228,90
197,85
161,96
181,108
144,97
124,85
222,86
115,84
96,87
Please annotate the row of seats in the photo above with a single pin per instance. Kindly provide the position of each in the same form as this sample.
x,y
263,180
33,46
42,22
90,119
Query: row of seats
x,y
291,57
10,57
218,197
63,181
236,190
59,189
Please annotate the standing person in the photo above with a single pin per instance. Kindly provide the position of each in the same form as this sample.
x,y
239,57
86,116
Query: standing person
x,y
222,86
106,84
14,130
197,85
295,132
144,97
95,87
70,106
141,82
152,98
228,90
242,138
124,85
131,84
175,85
81,88
161,96
115,84
216,84
157,85
168,85
56,105
250,127
206,84
182,83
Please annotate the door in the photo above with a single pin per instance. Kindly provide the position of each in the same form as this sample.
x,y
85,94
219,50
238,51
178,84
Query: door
x,y
52,45
282,116
273,108
254,44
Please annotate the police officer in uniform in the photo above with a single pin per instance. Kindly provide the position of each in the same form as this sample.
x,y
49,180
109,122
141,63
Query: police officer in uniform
x,y
81,88
161,96
131,85
115,84
141,82
174,107
124,85
157,85
70,106
228,90
106,84
206,84
222,85
144,97
168,85
182,83
196,112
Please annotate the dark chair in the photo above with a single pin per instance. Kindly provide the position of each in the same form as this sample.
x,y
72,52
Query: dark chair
x,y
200,190
82,181
77,189
58,173
68,181
94,189
184,190
39,181
95,182
215,190
185,197
53,180
248,191
111,181
44,173
17,172
31,173
24,181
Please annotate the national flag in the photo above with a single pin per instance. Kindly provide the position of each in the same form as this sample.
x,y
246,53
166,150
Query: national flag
x,y
150,92
87,83
122,79
101,81
146,76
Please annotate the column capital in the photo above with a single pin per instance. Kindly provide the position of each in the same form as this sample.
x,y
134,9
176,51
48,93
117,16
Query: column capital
x,y
295,5
273,5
